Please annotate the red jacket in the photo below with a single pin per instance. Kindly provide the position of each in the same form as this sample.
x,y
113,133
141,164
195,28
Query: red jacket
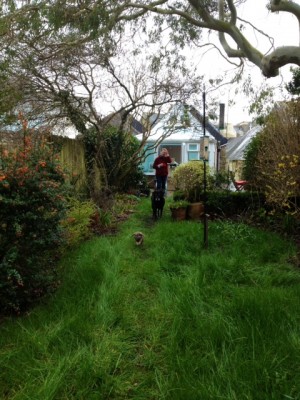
x,y
162,170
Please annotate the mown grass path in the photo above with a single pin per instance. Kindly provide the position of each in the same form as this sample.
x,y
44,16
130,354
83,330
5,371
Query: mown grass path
x,y
166,320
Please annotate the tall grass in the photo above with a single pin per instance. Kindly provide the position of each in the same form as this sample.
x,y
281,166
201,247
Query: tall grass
x,y
166,320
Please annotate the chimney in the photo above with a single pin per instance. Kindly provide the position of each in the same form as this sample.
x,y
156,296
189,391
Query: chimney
x,y
222,116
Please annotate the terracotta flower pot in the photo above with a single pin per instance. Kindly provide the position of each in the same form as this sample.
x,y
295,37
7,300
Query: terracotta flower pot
x,y
178,214
195,210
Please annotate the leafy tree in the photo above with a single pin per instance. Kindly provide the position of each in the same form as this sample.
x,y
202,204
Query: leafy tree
x,y
121,159
293,87
82,21
188,18
67,58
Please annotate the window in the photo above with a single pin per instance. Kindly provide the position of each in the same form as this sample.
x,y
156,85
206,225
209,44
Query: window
x,y
193,155
193,147
150,167
193,151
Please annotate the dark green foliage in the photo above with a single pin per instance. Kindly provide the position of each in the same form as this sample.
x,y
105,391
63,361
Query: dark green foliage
x,y
120,159
220,179
293,87
178,195
31,208
250,169
229,203
75,17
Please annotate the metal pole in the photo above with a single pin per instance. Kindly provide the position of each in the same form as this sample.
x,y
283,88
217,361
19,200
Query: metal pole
x,y
205,221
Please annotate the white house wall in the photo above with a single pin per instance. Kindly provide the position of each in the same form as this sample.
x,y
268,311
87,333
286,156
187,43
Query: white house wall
x,y
179,135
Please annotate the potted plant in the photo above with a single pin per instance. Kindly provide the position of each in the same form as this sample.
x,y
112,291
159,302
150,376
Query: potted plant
x,y
195,210
189,180
179,209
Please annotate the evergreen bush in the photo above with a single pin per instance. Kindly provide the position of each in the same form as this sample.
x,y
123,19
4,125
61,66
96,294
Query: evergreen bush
x,y
230,204
32,205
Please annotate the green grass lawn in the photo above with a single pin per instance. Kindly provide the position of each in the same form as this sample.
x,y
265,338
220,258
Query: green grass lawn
x,y
166,320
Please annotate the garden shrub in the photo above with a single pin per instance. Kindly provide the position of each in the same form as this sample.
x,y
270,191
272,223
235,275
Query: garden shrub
x,y
229,203
32,205
76,224
189,179
105,221
178,195
273,160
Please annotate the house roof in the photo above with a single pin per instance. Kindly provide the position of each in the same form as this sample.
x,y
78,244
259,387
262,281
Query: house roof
x,y
115,119
236,147
211,128
137,126
174,127
155,118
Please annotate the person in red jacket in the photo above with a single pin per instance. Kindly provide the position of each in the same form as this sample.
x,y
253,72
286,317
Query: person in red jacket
x,y
161,169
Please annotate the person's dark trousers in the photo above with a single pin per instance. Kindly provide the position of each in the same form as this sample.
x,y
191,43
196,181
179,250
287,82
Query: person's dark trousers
x,y
161,182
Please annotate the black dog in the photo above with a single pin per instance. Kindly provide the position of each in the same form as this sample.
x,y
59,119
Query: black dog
x,y
158,202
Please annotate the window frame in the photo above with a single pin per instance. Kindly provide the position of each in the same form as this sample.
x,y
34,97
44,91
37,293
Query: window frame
x,y
193,152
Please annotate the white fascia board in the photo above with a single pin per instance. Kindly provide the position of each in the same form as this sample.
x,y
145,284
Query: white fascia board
x,y
187,135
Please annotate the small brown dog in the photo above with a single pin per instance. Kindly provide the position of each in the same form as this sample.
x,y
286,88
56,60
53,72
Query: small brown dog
x,y
138,237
